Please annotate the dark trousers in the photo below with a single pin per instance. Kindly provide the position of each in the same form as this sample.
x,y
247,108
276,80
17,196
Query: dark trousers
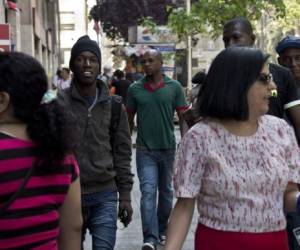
x,y
293,221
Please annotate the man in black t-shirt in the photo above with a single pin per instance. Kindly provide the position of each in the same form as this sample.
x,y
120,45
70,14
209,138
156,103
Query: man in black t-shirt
x,y
288,50
287,92
239,32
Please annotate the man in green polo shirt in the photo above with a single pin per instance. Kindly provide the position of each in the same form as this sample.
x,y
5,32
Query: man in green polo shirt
x,y
154,99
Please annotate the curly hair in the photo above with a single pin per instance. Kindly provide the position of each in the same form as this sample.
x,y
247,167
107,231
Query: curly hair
x,y
25,80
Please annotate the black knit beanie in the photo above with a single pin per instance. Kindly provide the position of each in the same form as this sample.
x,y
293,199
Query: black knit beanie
x,y
84,43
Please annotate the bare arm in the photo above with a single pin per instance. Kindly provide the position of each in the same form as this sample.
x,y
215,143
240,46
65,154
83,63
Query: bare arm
x,y
131,120
290,197
293,114
182,123
70,221
179,224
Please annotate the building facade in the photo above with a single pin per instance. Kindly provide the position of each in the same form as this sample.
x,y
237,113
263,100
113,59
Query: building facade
x,y
73,24
34,29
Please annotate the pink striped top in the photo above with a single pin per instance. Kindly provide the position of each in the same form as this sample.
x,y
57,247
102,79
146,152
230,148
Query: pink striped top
x,y
239,182
32,220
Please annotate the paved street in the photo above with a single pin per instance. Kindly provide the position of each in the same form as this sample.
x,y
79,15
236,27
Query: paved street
x,y
131,237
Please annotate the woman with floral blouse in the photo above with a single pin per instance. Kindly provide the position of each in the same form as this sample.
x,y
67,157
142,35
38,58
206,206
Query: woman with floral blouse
x,y
239,165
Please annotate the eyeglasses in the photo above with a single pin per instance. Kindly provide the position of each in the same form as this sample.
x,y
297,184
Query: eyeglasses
x,y
265,78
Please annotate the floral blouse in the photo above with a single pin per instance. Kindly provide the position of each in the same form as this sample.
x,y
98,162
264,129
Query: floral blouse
x,y
238,181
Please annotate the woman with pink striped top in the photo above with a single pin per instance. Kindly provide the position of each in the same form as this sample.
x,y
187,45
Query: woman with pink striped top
x,y
39,185
239,165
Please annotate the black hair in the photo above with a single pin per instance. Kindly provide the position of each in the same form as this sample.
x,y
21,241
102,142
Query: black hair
x,y
25,80
244,22
224,92
129,76
58,72
199,77
119,74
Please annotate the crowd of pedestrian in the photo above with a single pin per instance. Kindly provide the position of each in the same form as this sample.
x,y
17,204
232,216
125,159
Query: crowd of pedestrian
x,y
65,152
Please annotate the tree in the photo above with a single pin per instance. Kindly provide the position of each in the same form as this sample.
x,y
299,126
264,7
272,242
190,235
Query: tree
x,y
117,15
276,28
209,16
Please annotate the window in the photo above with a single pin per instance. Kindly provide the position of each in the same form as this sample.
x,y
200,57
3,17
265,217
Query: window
x,y
70,26
67,20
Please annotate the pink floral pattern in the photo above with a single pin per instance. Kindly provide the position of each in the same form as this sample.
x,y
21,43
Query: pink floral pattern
x,y
239,182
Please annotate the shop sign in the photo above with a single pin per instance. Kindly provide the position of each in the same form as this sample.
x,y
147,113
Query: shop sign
x,y
162,35
5,43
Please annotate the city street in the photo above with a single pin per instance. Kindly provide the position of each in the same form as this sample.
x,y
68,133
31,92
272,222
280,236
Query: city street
x,y
130,238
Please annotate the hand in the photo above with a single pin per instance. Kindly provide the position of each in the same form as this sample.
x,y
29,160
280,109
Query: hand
x,y
127,206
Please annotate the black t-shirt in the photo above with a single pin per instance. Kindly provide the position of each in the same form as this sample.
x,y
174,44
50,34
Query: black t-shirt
x,y
121,88
287,94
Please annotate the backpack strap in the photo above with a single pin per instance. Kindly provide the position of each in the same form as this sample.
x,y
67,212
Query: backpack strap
x,y
116,107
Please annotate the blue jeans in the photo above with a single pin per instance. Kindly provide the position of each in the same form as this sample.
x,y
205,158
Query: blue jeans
x,y
99,211
155,169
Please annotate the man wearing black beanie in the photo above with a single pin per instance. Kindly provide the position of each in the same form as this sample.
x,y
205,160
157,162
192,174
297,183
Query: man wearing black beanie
x,y
104,151
84,43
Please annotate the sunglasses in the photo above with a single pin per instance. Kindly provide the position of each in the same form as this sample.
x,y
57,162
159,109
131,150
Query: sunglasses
x,y
265,78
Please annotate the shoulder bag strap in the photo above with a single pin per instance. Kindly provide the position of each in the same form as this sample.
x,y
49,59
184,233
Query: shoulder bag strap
x,y
17,193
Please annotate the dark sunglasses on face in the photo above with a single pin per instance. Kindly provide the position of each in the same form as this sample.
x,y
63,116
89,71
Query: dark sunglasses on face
x,y
265,78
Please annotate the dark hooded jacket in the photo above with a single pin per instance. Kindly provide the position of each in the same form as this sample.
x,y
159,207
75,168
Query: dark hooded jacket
x,y
98,170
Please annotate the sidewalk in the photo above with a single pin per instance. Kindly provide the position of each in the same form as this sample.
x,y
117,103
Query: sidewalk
x,y
131,237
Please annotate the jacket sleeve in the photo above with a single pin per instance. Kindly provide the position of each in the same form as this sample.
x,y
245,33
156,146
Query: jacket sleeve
x,y
122,157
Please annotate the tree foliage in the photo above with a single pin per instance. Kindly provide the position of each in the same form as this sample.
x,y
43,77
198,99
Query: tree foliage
x,y
117,15
209,16
288,24
274,29
206,16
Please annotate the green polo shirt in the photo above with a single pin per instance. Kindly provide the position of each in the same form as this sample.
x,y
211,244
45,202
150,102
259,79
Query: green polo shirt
x,y
155,112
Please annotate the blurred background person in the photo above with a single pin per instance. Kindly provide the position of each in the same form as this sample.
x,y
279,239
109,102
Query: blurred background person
x,y
56,78
197,80
106,77
190,117
121,84
129,77
137,73
63,80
